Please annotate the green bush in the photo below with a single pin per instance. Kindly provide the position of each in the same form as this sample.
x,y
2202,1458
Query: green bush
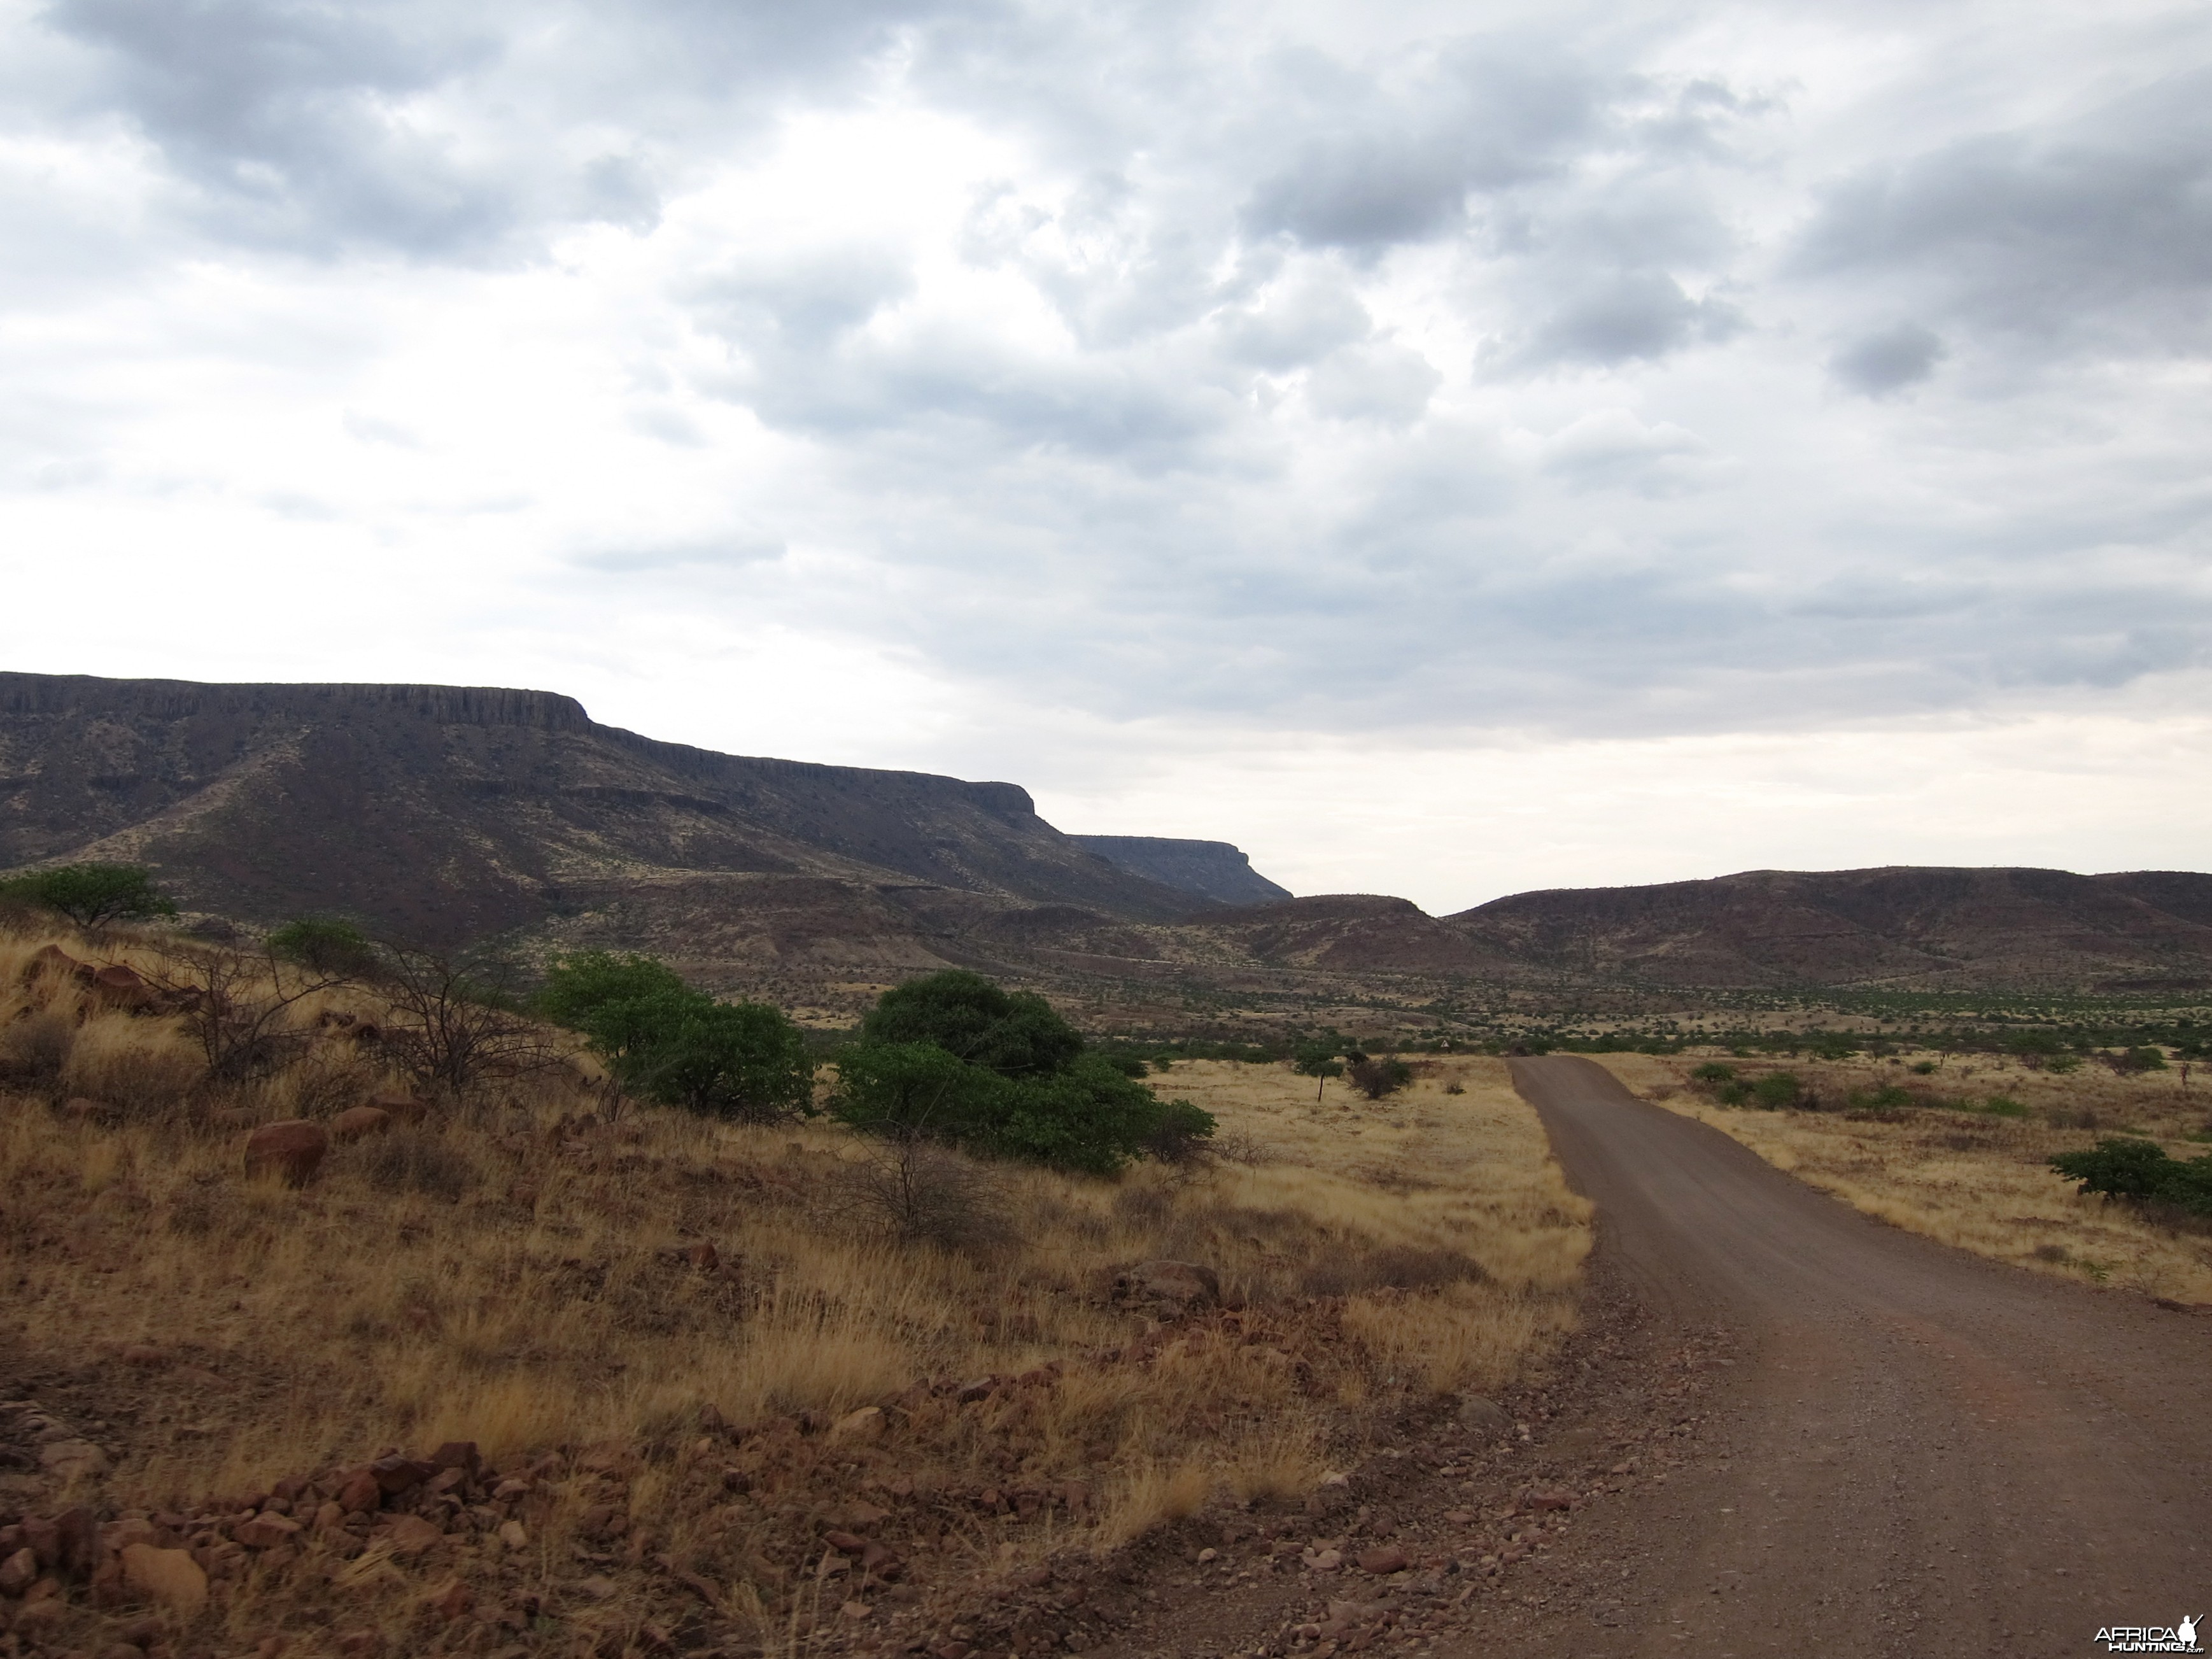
x,y
2003,1106
1377,1078
1714,1071
91,895
1732,1093
325,945
2125,1168
1013,1033
1777,1090
669,1044
955,1059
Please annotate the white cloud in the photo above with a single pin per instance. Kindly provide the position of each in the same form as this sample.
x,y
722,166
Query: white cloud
x,y
1005,388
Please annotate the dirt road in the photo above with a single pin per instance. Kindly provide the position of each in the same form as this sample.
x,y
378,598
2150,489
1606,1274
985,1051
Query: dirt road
x,y
1916,1452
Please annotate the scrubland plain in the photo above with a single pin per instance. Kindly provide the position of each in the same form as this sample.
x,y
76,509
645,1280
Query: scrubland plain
x,y
716,1404
1948,1166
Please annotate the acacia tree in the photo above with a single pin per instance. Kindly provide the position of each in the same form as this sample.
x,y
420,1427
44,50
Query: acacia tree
x,y
92,895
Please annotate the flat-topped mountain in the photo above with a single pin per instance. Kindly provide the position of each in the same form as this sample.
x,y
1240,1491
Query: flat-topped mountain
x,y
457,816
1906,926
1213,869
449,814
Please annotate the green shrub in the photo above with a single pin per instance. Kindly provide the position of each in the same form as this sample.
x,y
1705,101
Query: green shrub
x,y
1013,1033
1922,1068
1732,1093
325,945
1777,1090
1010,1079
1714,1071
2003,1106
92,895
669,1044
2124,1168
1377,1078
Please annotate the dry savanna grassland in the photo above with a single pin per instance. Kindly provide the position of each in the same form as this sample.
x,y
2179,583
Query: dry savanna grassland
x,y
1950,1166
519,1367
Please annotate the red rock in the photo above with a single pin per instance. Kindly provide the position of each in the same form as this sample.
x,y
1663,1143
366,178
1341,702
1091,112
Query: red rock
x,y
452,1599
361,1493
361,1643
78,1110
403,1107
118,1535
77,1535
142,1353
266,1530
513,1487
1550,1500
1384,1558
44,1540
18,1573
1182,1282
864,1424
292,1150
411,1534
460,1454
704,1256
395,1473
169,1578
357,1121
847,1543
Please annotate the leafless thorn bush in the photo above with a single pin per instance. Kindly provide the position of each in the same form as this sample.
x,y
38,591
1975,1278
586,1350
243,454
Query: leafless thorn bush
x,y
922,1192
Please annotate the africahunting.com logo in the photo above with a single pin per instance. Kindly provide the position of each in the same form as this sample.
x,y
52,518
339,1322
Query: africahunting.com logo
x,y
2151,1639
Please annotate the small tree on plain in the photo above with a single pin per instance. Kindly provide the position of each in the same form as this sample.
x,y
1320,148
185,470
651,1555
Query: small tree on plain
x,y
92,895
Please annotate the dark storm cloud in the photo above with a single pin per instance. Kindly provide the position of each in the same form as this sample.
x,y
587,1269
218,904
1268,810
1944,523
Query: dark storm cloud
x,y
448,129
1375,159
1888,359
282,113
2095,232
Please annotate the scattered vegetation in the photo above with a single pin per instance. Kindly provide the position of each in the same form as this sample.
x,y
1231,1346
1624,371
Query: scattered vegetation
x,y
684,1343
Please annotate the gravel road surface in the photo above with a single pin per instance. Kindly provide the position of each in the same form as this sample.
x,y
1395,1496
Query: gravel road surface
x,y
1916,1451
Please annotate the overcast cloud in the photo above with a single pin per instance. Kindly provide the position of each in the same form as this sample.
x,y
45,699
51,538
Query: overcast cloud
x,y
1444,448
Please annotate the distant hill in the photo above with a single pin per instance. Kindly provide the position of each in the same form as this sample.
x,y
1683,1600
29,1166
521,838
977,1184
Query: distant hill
x,y
1215,869
452,814
1929,928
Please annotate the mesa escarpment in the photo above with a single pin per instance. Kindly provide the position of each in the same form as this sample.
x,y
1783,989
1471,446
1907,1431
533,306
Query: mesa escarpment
x,y
472,816
450,815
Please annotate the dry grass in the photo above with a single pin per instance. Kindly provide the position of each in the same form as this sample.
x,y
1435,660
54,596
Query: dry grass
x,y
509,1275
1967,1177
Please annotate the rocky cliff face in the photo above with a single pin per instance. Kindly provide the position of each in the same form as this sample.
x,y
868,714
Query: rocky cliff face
x,y
449,814
1212,869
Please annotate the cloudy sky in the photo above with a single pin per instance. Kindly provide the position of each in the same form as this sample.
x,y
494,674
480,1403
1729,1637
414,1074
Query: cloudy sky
x,y
1445,448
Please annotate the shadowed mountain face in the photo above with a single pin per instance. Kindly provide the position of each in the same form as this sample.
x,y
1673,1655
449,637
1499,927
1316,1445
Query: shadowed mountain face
x,y
1930,928
1212,869
449,814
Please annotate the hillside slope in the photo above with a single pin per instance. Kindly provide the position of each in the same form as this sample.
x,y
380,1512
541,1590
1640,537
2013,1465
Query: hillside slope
x,y
1924,927
449,814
